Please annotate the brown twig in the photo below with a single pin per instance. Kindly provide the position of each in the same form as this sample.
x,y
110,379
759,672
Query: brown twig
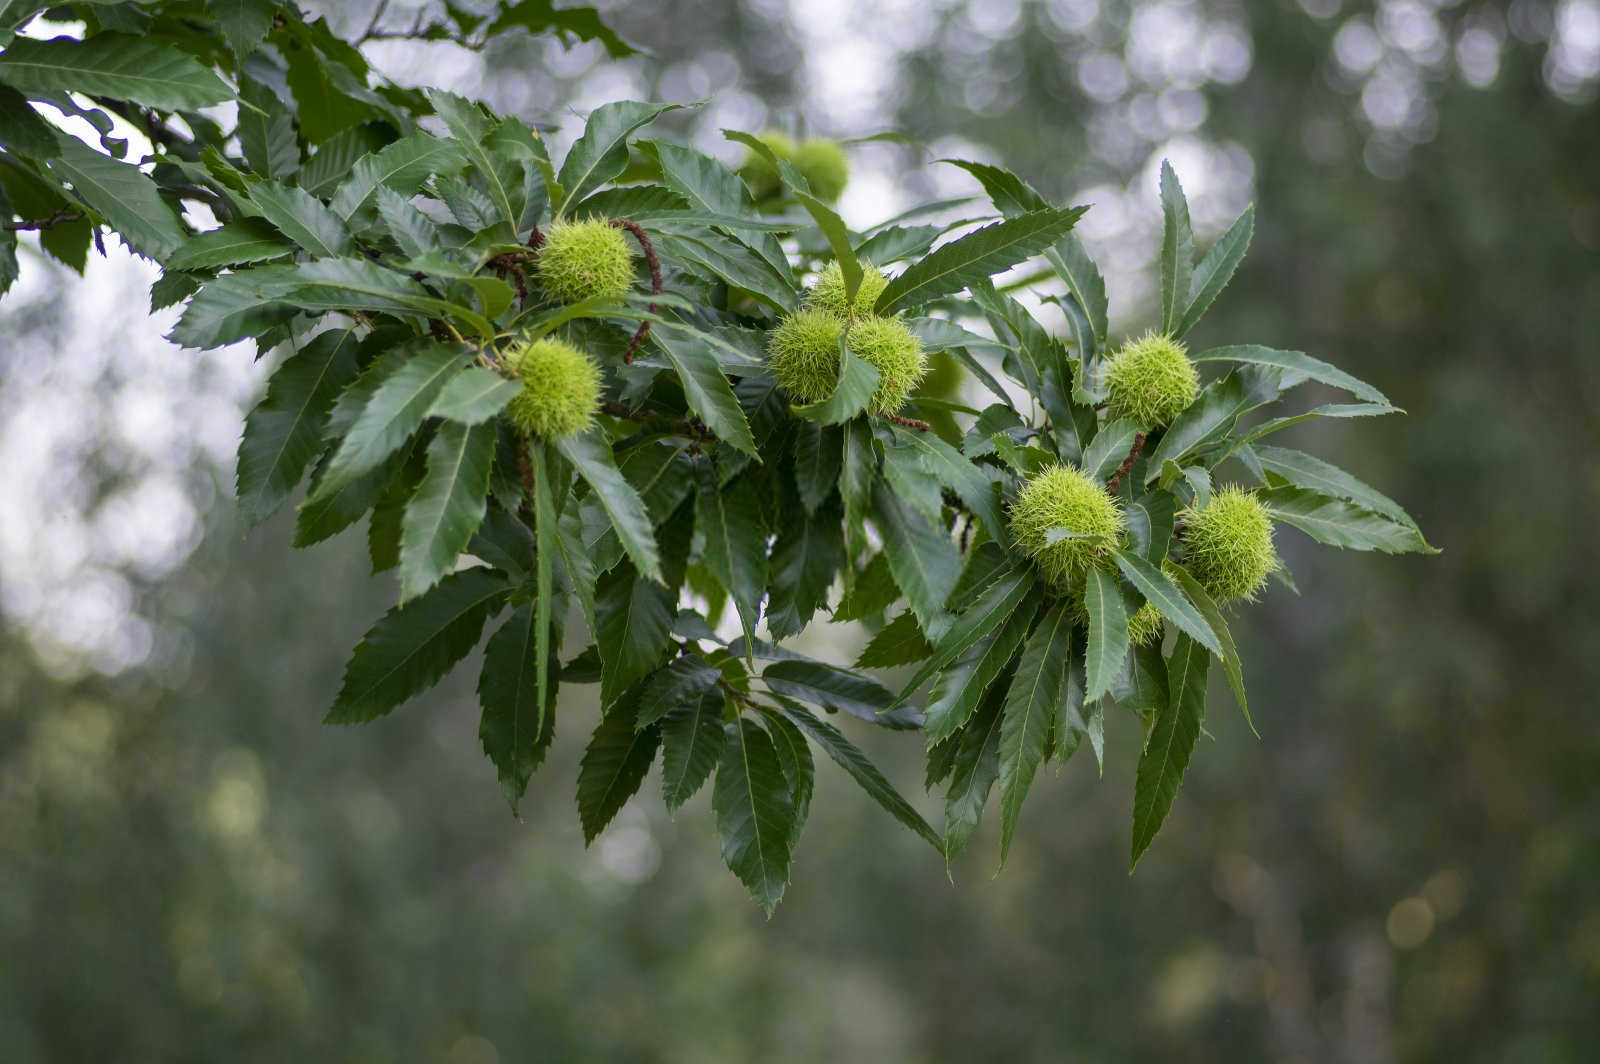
x,y
61,216
525,466
694,428
655,281
909,422
1127,463
738,696
627,413
509,264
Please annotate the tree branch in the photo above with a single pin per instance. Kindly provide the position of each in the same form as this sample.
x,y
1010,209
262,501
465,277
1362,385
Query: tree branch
x,y
1127,463
655,281
62,215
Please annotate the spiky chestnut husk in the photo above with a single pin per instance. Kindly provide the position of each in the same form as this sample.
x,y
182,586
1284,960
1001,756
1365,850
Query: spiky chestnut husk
x,y
761,175
1227,544
560,389
828,293
1151,380
895,352
1144,627
803,352
1064,497
580,260
825,167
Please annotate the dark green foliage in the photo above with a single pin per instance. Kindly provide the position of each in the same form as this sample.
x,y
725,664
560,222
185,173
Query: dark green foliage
x,y
703,496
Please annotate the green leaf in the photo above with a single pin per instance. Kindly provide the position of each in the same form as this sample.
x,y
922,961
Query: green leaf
x,y
448,506
1156,587
21,128
399,403
119,193
332,161
720,194
1108,632
590,453
1010,194
729,260
601,153
997,602
850,758
1150,522
1177,250
1170,744
1108,448
1207,419
243,303
900,642
1304,471
319,518
839,689
1216,268
576,563
858,471
898,243
1341,524
614,765
799,769
266,131
540,16
388,513
922,557
1295,363
414,645
474,396
113,65
818,462
755,813
1014,196
1332,410
633,627
302,217
243,22
706,389
661,472
284,431
1043,682
977,256
858,379
516,728
1074,266
402,166
470,125
678,686
1026,722
1231,665
729,519
415,232
977,766
960,687
692,741
956,472
239,242
806,556
908,477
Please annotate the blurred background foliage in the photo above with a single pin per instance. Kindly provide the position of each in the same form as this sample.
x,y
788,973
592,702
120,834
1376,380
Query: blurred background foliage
x,y
193,868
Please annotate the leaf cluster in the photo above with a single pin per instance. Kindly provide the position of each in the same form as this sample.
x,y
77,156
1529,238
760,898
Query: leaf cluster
x,y
386,241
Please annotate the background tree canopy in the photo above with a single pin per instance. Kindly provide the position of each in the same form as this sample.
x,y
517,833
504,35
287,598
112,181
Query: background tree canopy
x,y
1396,867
